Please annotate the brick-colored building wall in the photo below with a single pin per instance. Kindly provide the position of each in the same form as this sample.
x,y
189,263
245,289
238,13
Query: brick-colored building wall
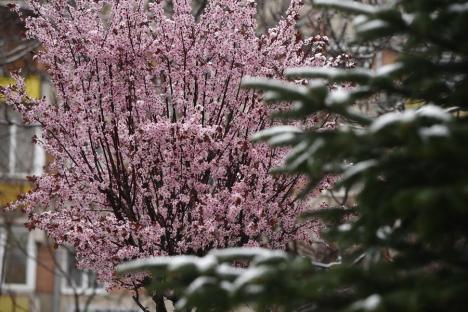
x,y
45,269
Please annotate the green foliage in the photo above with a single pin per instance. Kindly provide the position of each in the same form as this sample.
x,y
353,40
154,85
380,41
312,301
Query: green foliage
x,y
404,244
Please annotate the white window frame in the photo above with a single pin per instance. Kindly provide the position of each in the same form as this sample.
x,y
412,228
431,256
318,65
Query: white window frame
x,y
82,290
38,160
31,264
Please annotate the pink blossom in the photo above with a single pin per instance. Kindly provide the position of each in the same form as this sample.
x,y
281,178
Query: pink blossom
x,y
150,133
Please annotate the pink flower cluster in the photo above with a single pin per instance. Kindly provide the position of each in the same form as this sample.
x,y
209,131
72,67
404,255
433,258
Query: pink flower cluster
x,y
150,133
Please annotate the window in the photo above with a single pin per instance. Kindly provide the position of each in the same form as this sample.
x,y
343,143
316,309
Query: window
x,y
75,280
19,157
17,258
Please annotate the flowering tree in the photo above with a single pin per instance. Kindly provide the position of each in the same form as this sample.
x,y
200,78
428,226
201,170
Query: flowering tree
x,y
149,136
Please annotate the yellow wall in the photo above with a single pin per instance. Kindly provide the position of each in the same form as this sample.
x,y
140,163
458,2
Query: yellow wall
x,y
32,85
18,303
9,192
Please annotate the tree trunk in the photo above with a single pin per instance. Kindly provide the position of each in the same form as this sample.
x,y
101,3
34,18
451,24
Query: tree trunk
x,y
160,305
